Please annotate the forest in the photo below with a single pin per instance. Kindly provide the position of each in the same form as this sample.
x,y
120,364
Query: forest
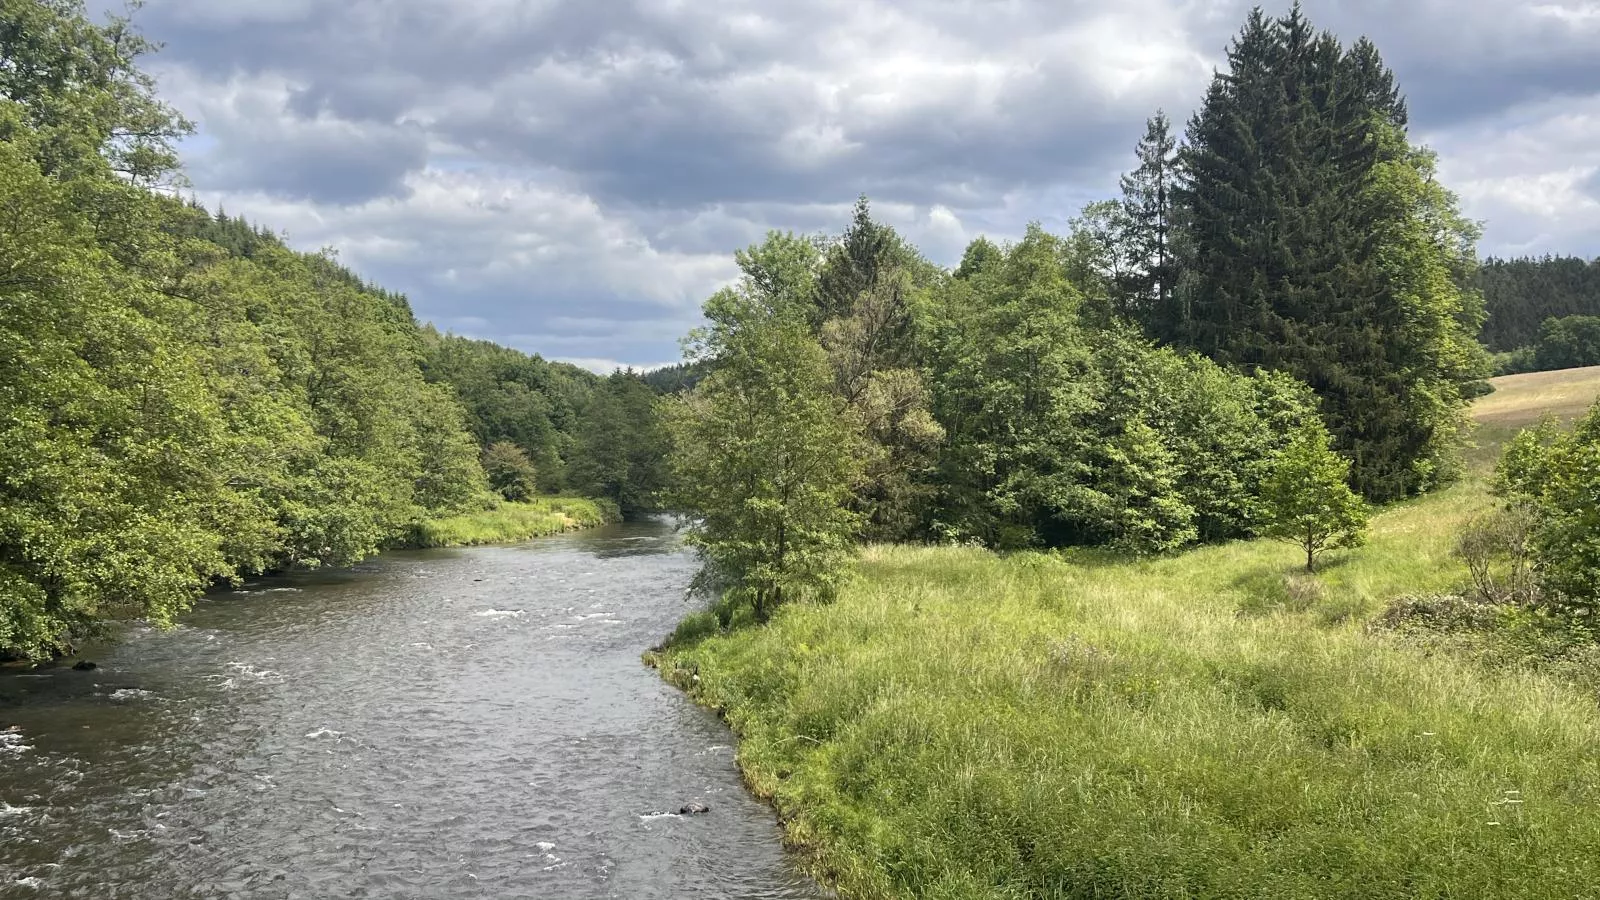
x,y
1543,314
185,401
1169,373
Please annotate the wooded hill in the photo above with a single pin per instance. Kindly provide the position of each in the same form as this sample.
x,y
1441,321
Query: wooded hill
x,y
184,400
1543,314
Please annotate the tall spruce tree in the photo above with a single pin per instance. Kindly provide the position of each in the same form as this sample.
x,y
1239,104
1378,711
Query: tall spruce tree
x,y
1295,218
1147,287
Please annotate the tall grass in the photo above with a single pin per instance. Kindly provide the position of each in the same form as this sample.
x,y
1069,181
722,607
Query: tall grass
x,y
1216,725
511,522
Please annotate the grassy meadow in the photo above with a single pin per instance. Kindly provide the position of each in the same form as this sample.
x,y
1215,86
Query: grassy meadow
x,y
511,522
1216,724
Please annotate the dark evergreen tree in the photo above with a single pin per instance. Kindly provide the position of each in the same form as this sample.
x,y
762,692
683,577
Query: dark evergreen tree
x,y
855,263
1313,246
1147,225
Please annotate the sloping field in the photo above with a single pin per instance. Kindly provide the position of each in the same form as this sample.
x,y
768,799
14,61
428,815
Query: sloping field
x,y
1519,400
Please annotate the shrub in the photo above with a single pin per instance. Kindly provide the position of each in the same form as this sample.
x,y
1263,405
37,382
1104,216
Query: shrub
x,y
510,471
1495,546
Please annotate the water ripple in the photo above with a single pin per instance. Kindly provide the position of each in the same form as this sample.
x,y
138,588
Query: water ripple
x,y
447,724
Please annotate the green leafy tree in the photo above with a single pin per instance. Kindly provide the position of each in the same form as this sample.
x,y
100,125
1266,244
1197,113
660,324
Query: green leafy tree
x,y
511,474
622,446
1567,343
1010,365
766,457
1554,478
1307,500
109,441
79,92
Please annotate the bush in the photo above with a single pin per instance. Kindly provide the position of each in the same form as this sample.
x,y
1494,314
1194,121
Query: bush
x,y
1555,477
1446,613
1495,546
510,471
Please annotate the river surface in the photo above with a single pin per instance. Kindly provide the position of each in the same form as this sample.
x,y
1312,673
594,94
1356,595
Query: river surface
x,y
443,724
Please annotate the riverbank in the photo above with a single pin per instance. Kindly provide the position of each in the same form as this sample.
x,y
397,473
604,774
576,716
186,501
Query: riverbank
x,y
511,522
960,724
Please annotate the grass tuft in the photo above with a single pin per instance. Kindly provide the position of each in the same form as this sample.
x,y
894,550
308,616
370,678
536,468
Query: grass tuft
x,y
512,522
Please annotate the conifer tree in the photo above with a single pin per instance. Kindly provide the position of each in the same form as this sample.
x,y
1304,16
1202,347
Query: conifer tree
x,y
1316,244
1147,223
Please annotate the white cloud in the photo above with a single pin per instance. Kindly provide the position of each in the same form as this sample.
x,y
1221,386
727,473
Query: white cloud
x,y
574,177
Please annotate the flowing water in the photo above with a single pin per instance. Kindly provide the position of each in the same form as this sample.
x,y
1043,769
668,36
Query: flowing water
x,y
444,724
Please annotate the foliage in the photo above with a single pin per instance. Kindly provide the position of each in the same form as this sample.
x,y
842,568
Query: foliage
x,y
765,457
510,473
77,97
1497,550
513,397
1521,294
675,379
1567,343
1061,431
1307,500
510,522
1146,291
1555,476
110,445
622,446
1315,241
185,400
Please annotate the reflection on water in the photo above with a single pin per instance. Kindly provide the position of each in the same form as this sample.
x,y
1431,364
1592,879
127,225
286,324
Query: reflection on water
x,y
462,723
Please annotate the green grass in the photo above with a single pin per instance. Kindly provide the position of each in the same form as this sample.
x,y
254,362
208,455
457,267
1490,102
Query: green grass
x,y
960,724
511,522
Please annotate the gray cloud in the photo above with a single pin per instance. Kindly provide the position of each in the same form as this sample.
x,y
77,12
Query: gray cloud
x,y
507,162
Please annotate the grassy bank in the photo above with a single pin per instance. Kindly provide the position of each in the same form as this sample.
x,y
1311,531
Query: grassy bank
x,y
1212,725
511,522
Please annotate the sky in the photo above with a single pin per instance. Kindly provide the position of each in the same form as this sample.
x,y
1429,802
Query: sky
x,y
573,178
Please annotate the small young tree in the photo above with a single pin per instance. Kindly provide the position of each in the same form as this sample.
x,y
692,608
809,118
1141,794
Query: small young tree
x,y
766,456
510,472
1307,500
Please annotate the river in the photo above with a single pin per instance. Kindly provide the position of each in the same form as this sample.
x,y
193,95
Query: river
x,y
441,724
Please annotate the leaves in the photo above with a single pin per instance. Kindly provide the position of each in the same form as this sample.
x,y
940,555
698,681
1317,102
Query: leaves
x,y
1307,500
766,457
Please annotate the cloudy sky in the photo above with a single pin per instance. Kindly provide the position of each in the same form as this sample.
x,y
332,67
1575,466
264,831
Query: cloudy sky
x,y
571,178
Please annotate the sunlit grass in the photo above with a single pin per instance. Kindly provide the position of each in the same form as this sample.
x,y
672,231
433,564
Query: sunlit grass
x,y
511,522
1218,724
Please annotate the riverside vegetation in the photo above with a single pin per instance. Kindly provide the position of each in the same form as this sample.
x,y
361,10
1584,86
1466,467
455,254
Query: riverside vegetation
x,y
1156,560
185,401
965,724
1152,559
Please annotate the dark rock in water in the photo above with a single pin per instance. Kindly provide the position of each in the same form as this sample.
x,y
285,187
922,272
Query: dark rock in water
x,y
85,666
694,809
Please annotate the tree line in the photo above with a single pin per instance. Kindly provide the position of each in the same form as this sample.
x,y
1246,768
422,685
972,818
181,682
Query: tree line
x,y
184,401
1275,325
1543,314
